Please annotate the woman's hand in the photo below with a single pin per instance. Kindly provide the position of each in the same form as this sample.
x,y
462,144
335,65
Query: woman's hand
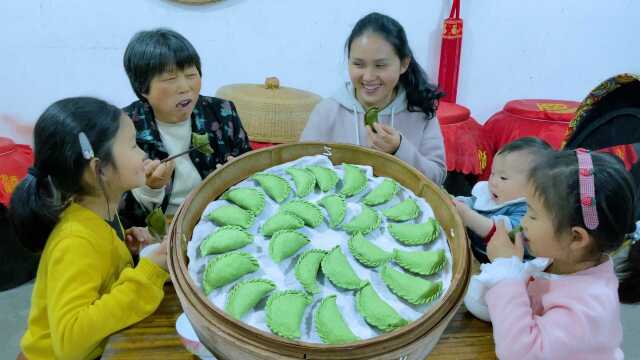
x,y
159,255
386,138
136,238
158,175
501,246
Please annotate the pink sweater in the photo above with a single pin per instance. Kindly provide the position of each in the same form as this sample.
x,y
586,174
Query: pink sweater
x,y
573,316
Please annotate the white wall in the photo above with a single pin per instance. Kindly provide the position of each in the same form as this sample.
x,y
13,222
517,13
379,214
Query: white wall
x,y
512,49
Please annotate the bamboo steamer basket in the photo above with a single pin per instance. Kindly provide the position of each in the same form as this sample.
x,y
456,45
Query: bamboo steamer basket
x,y
270,113
230,339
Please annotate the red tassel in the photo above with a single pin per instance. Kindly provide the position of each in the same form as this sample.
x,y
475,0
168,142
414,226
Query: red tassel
x,y
450,51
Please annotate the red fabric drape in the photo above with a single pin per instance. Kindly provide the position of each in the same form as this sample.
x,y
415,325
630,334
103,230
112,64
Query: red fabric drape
x,y
450,51
467,150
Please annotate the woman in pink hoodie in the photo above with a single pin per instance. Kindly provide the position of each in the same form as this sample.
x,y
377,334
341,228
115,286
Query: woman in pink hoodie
x,y
566,303
384,75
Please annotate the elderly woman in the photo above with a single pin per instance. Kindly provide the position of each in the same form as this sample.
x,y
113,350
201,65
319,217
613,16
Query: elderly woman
x,y
170,117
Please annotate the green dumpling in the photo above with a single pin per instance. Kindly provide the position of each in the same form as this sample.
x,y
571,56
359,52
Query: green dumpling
x,y
245,295
376,311
336,207
336,268
285,243
415,234
225,239
232,215
364,223
382,193
325,178
281,221
306,269
330,324
285,310
406,210
304,180
226,268
250,199
411,288
309,212
275,186
354,181
201,143
156,223
421,262
366,252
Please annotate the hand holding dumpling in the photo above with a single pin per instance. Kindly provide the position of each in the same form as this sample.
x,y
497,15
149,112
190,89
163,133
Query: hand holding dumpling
x,y
136,238
385,138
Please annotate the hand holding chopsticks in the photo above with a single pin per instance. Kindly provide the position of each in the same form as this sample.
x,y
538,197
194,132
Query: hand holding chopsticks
x,y
158,174
182,153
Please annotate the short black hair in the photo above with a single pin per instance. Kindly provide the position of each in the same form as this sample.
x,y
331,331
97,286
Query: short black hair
x,y
529,144
154,52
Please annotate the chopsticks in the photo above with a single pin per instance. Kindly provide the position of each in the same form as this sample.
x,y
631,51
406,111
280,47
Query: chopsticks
x,y
182,153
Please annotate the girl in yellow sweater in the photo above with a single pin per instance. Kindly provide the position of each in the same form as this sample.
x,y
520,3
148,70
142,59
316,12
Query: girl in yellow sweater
x,y
86,287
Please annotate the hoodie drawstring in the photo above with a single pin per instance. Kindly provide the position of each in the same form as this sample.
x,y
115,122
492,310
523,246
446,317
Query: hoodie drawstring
x,y
355,118
392,118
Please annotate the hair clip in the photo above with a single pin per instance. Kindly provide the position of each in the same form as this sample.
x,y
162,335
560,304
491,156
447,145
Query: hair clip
x,y
587,189
85,145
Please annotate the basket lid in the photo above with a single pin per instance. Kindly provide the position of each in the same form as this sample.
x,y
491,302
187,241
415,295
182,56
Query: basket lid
x,y
269,112
269,92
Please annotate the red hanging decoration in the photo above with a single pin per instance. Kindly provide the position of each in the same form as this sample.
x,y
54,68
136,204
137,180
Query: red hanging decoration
x,y
450,53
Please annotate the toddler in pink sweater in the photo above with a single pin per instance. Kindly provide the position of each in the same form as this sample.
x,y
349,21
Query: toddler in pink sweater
x,y
565,303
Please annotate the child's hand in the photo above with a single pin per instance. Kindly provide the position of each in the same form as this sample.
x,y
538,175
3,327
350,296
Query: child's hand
x,y
463,209
501,246
136,238
159,255
386,138
158,175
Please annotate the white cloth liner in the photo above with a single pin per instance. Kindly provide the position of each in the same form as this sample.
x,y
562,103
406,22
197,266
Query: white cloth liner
x,y
322,237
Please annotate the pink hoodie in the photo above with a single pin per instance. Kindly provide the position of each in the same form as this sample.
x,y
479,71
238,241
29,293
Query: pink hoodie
x,y
339,119
573,316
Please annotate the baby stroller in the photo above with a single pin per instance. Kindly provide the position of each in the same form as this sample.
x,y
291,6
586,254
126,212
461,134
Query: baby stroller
x,y
608,120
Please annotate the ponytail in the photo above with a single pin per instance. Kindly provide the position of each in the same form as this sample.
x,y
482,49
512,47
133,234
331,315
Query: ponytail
x,y
34,210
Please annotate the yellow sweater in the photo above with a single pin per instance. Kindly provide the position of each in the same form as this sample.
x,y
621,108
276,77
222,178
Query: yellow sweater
x,y
87,289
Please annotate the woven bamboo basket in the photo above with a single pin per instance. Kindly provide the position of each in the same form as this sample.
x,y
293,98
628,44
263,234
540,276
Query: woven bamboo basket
x,y
270,113
230,339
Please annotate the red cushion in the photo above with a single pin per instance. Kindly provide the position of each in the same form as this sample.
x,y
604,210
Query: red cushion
x,y
15,159
255,145
449,113
542,118
543,109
